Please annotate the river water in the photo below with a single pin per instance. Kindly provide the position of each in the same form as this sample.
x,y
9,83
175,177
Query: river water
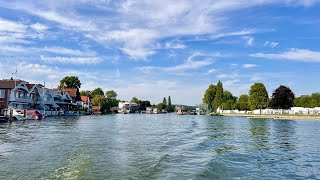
x,y
165,146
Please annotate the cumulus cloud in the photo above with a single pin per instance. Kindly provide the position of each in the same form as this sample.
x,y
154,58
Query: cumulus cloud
x,y
135,27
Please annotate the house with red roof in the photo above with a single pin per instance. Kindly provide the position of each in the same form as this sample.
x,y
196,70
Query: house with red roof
x,y
86,104
73,96
6,85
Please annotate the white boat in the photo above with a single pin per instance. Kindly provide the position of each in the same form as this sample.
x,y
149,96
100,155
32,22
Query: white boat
x,y
18,114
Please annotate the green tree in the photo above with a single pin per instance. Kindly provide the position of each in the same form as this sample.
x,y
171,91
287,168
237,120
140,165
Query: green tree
x,y
315,100
70,82
209,95
86,93
258,96
160,106
98,100
97,92
244,102
308,101
111,94
229,101
170,108
164,101
135,100
218,99
282,98
144,104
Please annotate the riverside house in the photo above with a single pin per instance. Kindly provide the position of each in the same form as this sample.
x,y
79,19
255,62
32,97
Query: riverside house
x,y
6,86
20,94
86,104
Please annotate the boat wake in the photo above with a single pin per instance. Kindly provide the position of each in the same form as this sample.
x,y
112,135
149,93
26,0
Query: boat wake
x,y
76,168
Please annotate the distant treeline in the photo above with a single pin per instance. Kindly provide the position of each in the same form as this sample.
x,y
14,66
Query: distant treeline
x,y
257,98
310,101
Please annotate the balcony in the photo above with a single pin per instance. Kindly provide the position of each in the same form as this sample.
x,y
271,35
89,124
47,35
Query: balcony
x,y
21,99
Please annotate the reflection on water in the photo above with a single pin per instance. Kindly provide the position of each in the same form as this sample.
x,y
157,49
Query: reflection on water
x,y
284,133
259,130
159,147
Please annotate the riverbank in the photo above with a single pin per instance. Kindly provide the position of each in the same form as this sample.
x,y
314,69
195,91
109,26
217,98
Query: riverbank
x,y
277,116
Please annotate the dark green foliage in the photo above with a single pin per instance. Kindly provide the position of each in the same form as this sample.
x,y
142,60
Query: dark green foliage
x,y
282,98
170,108
216,97
111,94
229,101
144,104
244,102
105,102
258,96
164,102
78,97
97,92
161,106
209,95
135,100
70,82
219,99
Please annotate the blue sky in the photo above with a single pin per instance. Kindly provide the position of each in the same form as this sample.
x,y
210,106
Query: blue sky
x,y
152,49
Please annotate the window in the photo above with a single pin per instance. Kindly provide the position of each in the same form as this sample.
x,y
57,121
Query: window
x,y
2,92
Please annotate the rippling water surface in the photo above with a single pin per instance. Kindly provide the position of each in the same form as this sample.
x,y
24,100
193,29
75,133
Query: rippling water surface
x,y
160,147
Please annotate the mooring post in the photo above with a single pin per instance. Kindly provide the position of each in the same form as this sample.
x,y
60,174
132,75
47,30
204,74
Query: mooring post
x,y
10,114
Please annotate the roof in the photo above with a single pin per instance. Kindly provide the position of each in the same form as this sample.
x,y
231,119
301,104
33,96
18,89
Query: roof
x,y
96,108
71,91
84,98
30,86
9,83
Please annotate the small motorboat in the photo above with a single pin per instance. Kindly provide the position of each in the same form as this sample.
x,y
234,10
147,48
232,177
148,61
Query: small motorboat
x,y
70,113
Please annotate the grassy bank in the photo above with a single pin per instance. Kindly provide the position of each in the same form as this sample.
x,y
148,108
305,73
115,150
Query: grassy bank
x,y
278,116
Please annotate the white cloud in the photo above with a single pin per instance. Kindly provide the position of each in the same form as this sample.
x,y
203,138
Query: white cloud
x,y
190,64
271,44
249,40
12,48
171,45
53,49
228,76
135,27
11,26
133,42
255,78
235,33
65,51
210,71
39,27
71,60
293,54
249,65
